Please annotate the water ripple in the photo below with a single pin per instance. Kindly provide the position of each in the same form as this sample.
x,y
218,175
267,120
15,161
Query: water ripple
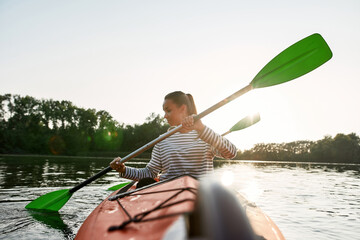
x,y
306,201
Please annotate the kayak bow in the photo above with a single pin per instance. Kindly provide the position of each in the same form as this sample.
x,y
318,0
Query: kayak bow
x,y
180,206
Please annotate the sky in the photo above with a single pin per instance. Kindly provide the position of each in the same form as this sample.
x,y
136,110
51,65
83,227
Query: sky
x,y
125,56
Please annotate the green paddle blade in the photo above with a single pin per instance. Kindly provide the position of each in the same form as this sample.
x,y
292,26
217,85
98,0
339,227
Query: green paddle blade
x,y
246,122
295,61
117,187
51,201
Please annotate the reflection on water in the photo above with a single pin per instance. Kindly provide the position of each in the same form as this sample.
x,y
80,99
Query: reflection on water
x,y
52,171
227,178
52,220
306,200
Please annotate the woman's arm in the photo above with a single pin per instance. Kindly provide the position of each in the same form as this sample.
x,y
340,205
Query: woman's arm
x,y
150,171
138,173
222,146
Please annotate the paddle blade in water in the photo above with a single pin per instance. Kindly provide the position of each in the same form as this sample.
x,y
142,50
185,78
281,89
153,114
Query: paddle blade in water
x,y
246,122
295,61
52,201
117,187
50,219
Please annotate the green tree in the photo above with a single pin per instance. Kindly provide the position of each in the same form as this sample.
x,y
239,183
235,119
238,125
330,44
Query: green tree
x,y
29,125
109,133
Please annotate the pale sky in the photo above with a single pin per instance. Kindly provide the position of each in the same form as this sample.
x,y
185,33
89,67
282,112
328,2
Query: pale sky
x,y
125,56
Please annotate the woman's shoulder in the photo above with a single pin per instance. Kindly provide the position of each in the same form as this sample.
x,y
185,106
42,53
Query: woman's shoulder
x,y
180,137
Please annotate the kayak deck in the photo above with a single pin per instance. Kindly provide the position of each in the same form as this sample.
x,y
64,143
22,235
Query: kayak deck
x,y
143,207
152,212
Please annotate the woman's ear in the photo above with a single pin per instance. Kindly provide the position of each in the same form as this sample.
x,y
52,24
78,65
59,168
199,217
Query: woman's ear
x,y
184,109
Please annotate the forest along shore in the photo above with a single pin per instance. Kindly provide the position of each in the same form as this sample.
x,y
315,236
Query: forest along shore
x,y
59,128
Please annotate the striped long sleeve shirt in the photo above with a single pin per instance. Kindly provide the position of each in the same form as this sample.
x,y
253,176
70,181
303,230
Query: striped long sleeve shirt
x,y
184,153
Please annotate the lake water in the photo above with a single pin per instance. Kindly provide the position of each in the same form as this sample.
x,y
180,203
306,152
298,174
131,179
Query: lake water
x,y
306,201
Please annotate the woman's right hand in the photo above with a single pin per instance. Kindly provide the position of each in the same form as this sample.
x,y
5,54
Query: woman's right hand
x,y
189,124
117,165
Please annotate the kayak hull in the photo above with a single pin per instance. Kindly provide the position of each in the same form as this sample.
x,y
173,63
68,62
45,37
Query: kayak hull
x,y
110,213
262,224
152,212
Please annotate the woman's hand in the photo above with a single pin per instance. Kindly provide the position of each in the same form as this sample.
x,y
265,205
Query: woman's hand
x,y
189,124
117,165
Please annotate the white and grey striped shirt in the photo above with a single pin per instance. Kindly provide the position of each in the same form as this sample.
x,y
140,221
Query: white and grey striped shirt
x,y
184,153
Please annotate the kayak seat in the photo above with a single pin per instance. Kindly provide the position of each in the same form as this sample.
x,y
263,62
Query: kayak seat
x,y
144,182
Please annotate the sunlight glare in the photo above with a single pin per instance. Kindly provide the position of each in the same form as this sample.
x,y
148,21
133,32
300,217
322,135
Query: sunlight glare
x,y
252,191
227,178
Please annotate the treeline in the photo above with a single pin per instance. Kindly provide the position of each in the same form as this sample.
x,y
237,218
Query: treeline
x,y
33,126
340,149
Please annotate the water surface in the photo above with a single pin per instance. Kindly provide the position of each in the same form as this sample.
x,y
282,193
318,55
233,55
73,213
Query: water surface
x,y
306,201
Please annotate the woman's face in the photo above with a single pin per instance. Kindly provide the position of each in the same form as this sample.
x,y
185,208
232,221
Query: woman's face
x,y
174,114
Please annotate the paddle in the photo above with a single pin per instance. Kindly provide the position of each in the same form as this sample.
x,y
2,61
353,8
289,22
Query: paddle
x,y
244,123
295,61
116,187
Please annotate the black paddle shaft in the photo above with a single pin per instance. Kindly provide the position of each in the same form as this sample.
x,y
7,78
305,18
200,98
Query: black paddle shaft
x,y
89,180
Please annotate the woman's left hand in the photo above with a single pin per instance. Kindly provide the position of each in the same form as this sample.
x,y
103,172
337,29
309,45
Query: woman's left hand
x,y
189,124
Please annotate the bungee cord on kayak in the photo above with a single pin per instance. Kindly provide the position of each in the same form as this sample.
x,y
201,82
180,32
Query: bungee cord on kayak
x,y
140,217
170,207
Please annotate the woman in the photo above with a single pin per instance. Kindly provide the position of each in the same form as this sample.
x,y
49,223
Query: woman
x,y
189,151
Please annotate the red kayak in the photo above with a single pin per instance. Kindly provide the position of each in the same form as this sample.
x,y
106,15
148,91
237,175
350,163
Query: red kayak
x,y
178,208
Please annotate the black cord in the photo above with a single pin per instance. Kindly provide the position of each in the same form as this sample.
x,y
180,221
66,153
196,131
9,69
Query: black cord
x,y
140,217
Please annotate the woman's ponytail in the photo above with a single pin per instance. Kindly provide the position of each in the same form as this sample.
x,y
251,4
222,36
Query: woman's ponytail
x,y
191,108
180,98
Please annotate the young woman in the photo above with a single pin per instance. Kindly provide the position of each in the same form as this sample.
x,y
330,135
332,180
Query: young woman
x,y
189,151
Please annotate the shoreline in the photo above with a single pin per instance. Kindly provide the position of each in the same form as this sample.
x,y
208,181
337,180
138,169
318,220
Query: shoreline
x,y
215,160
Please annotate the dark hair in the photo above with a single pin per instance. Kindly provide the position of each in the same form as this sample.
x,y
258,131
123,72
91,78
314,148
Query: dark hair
x,y
180,98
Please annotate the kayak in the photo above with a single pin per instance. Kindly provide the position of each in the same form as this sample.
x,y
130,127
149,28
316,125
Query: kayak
x,y
178,208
